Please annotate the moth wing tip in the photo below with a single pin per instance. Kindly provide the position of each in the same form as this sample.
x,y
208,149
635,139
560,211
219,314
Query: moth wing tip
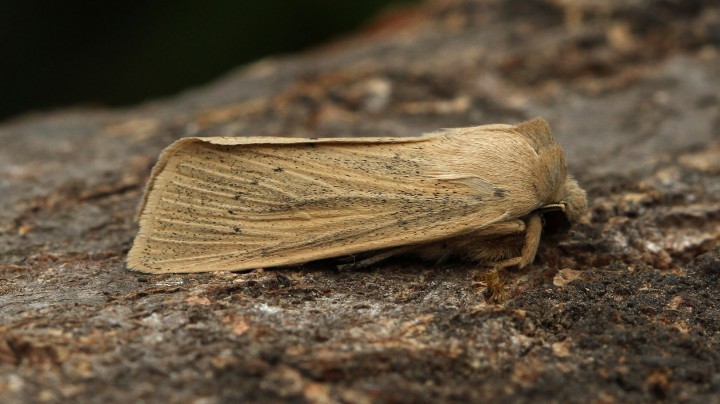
x,y
136,260
138,266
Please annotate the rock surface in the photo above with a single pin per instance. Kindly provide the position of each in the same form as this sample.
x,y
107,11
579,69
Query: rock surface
x,y
625,307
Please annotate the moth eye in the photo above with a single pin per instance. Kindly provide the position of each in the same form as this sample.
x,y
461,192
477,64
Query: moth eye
x,y
555,221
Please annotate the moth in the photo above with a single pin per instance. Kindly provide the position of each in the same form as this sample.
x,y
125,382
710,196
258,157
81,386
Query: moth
x,y
234,203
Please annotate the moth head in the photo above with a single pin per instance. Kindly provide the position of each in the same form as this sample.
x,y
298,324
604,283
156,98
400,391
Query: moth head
x,y
574,200
572,205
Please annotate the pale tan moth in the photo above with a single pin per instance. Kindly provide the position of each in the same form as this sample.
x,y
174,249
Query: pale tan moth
x,y
234,203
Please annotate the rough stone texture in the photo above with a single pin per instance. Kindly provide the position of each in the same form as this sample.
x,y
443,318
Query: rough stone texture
x,y
623,308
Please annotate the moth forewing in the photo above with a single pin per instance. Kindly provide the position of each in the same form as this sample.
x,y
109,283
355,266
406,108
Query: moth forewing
x,y
222,203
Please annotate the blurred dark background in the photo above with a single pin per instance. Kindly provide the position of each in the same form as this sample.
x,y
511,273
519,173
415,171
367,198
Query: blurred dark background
x,y
56,53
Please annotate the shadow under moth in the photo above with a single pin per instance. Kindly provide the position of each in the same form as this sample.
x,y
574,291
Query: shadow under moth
x,y
234,203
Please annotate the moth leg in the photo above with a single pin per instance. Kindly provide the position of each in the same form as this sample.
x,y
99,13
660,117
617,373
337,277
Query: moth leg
x,y
533,231
464,245
502,228
381,256
532,239
487,244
